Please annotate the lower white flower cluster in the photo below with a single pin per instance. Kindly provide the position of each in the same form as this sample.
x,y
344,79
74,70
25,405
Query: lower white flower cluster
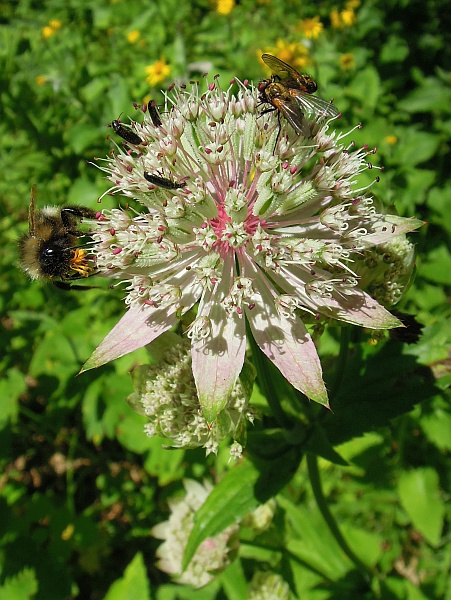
x,y
166,394
215,554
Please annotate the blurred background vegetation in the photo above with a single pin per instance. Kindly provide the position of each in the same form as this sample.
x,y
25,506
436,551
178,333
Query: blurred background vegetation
x,y
80,484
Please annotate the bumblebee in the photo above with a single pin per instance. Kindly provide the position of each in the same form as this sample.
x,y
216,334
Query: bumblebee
x,y
50,251
290,93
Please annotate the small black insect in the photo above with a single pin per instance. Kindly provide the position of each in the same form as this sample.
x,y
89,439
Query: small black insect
x,y
125,133
163,182
154,114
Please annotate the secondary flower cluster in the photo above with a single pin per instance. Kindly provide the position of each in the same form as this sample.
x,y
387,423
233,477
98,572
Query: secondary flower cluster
x,y
214,554
239,225
211,557
165,393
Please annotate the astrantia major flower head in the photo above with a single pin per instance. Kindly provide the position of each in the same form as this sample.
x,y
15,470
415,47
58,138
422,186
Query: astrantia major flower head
x,y
243,231
266,585
212,556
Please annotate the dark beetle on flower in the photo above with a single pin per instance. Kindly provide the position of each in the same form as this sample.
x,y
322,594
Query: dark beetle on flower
x,y
125,133
163,182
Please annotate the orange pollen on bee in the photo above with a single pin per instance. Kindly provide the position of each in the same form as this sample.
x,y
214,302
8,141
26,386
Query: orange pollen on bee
x,y
79,264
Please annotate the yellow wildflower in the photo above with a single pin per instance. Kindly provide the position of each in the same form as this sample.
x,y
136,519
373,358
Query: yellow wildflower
x,y
335,19
68,532
133,36
224,7
352,4
295,54
347,61
348,17
391,139
342,19
41,79
311,28
51,28
47,32
157,72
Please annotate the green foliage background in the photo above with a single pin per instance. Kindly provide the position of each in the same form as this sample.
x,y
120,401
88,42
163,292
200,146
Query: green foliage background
x,y
80,485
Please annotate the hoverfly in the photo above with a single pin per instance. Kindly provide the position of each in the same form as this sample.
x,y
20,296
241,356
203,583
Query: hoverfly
x,y
290,93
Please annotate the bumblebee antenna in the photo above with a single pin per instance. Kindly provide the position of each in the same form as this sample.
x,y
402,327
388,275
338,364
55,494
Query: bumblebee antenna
x,y
31,227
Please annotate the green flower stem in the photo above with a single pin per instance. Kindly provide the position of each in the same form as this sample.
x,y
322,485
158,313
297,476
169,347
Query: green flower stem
x,y
315,480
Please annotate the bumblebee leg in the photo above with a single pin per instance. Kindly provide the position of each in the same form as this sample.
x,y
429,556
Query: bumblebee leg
x,y
70,214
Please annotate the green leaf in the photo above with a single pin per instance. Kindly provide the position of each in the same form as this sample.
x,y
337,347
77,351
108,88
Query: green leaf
x,y
431,96
234,581
374,390
11,387
81,137
312,541
439,200
319,444
82,191
366,87
118,95
130,432
434,348
420,496
230,500
437,266
360,538
133,585
165,464
418,146
437,427
21,587
395,49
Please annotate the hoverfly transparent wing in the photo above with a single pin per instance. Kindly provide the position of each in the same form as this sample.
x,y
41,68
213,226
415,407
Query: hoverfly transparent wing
x,y
278,66
314,104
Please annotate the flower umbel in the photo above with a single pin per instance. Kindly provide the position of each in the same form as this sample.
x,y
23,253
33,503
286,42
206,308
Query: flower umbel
x,y
211,557
165,393
266,585
243,230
